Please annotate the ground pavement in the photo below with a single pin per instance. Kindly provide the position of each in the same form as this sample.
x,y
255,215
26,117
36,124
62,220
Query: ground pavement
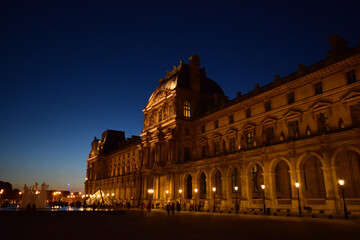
x,y
135,224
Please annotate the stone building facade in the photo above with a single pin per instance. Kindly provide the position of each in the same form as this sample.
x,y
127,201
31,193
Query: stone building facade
x,y
300,128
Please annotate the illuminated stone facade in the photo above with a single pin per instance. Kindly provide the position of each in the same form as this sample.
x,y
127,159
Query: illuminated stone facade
x,y
301,128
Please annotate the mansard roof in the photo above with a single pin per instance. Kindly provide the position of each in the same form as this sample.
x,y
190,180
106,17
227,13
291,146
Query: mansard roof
x,y
182,76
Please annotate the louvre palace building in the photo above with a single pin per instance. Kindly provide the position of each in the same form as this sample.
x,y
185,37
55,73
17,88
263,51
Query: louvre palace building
x,y
199,147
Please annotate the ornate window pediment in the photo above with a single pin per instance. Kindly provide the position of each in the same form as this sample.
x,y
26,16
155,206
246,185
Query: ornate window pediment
x,y
350,97
216,137
292,115
248,127
268,121
203,140
320,106
231,131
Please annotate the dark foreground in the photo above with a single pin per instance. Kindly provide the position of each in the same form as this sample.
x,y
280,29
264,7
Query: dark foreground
x,y
157,225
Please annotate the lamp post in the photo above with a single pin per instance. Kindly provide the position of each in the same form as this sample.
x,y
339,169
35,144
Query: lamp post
x,y
263,188
1,193
342,182
195,190
236,188
150,191
180,191
297,185
167,193
214,190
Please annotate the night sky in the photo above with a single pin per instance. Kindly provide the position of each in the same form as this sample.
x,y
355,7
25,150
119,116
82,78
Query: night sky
x,y
69,70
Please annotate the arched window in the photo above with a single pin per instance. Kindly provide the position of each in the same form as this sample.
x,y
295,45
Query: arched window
x,y
282,180
218,182
256,180
189,187
187,109
313,178
234,179
202,185
348,168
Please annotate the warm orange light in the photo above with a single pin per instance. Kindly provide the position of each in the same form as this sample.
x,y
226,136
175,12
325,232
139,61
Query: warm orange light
x,y
262,186
341,182
180,191
196,190
297,184
167,191
236,188
214,189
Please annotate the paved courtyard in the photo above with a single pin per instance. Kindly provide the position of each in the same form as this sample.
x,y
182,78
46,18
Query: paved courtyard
x,y
157,225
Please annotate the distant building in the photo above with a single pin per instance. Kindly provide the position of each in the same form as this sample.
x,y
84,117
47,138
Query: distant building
x,y
300,128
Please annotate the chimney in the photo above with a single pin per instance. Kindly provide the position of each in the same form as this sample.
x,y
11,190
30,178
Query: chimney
x,y
338,45
195,72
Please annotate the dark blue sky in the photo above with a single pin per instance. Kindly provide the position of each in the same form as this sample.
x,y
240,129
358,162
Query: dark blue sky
x,y
71,69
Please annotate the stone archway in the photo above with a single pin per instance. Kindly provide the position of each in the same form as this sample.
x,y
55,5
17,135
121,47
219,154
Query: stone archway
x,y
256,180
312,178
348,168
282,180
189,189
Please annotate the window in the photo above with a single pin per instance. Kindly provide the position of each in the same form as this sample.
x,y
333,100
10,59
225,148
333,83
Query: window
x,y
203,128
270,135
218,182
355,114
232,144
291,98
318,88
234,179
351,77
250,139
217,148
323,122
267,106
186,109
203,151
248,113
160,115
231,119
186,154
216,124
202,185
293,129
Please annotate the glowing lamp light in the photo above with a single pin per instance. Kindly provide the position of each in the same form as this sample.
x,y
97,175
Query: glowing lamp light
x,y
108,194
112,194
297,184
20,193
214,189
167,191
262,186
151,191
236,188
341,182
196,190
180,191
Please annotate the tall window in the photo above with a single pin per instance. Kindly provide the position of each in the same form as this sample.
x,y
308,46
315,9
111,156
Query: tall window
x,y
232,144
189,187
248,113
160,115
355,114
186,109
203,128
267,106
234,179
291,98
351,77
318,88
218,181
270,135
217,148
250,139
231,119
186,154
216,124
203,151
323,122
293,129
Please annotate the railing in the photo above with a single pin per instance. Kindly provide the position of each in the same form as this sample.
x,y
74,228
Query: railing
x,y
352,201
315,201
284,201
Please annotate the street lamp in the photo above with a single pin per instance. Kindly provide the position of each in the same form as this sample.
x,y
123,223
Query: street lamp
x,y
342,182
180,191
195,190
236,188
214,190
167,193
263,188
150,191
297,185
